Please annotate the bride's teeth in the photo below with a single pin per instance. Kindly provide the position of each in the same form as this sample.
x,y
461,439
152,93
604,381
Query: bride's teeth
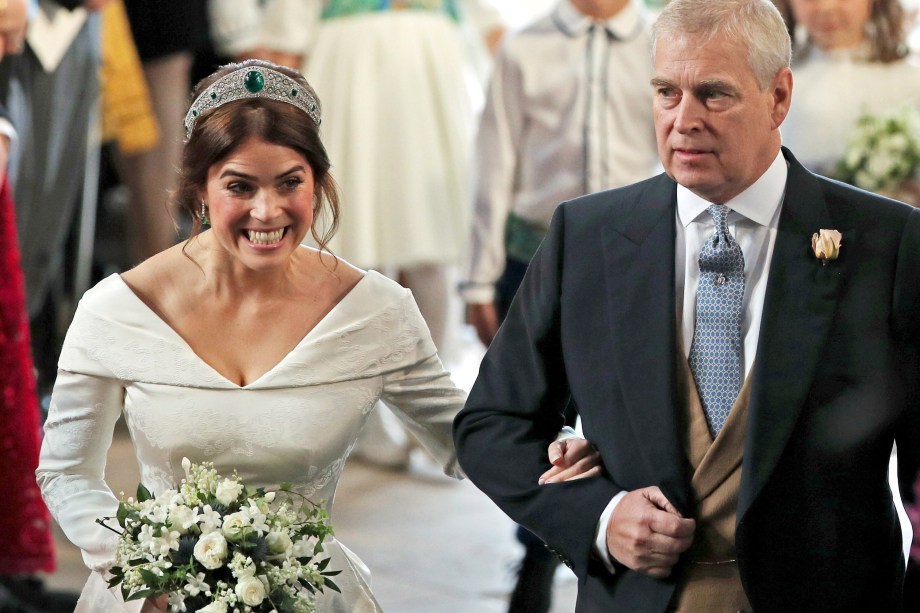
x,y
265,238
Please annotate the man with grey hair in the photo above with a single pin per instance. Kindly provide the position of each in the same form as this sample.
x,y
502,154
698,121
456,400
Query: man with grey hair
x,y
742,340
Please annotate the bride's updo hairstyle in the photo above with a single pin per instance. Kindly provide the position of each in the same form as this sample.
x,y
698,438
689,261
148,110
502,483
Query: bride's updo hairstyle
x,y
216,129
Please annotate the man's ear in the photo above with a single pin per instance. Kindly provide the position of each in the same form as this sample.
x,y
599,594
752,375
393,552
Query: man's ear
x,y
781,96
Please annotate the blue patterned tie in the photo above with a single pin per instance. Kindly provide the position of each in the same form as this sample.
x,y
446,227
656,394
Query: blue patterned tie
x,y
715,354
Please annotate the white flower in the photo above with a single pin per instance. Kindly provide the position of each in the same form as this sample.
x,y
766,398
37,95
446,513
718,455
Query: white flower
x,y
270,497
182,518
145,537
153,511
228,491
250,590
218,606
235,525
161,545
897,143
176,602
211,550
187,467
826,244
209,519
302,548
257,518
242,566
865,180
880,165
279,542
196,585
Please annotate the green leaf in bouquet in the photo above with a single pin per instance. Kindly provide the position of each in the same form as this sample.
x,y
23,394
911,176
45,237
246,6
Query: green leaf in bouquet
x,y
118,575
322,565
331,585
122,514
141,594
286,486
150,578
143,494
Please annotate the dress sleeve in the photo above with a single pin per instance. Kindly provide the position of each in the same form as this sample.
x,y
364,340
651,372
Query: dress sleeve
x,y
71,470
423,396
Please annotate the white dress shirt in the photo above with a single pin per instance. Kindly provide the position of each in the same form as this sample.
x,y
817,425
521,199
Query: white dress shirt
x,y
753,221
569,112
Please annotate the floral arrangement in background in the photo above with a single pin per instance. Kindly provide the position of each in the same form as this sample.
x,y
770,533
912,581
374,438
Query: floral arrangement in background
x,y
883,154
214,545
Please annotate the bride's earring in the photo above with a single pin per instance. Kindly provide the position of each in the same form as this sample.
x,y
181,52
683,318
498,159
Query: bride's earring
x,y
203,215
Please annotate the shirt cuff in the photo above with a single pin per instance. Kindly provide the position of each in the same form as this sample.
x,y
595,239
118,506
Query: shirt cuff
x,y
600,537
477,293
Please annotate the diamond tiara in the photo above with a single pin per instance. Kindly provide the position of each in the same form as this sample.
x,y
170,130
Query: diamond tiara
x,y
252,83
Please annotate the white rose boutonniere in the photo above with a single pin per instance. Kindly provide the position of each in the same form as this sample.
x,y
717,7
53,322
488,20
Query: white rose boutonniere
x,y
826,245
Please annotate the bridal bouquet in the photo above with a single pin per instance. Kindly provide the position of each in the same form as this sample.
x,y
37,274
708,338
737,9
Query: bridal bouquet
x,y
216,546
883,153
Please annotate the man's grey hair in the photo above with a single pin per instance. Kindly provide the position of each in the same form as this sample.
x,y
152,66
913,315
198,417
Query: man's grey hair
x,y
754,24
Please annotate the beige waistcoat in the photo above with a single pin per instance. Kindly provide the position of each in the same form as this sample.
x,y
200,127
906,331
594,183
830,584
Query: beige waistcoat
x,y
709,579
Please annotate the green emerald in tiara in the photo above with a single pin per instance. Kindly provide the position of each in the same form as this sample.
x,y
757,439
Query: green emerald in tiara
x,y
254,81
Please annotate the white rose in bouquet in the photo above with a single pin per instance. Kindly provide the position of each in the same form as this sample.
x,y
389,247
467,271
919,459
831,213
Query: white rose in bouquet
x,y
250,590
278,542
211,550
234,525
228,491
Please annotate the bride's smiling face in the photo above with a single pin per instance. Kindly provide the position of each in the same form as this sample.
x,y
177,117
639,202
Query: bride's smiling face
x,y
260,201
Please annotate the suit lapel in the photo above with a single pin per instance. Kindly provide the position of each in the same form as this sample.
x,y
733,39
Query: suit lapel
x,y
797,314
639,279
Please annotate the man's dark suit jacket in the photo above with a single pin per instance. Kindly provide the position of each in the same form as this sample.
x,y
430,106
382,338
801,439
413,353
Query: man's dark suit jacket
x,y
834,385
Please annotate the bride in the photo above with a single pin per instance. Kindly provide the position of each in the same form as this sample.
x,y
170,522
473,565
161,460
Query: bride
x,y
240,346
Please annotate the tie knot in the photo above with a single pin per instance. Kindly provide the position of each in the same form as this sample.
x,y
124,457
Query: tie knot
x,y
719,214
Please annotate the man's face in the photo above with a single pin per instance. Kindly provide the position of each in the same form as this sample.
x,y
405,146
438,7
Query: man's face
x,y
717,131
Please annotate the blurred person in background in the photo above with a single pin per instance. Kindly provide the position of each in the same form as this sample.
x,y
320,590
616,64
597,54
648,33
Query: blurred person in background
x,y
50,92
850,58
29,547
167,34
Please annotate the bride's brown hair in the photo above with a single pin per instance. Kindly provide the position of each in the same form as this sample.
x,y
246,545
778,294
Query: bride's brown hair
x,y
219,131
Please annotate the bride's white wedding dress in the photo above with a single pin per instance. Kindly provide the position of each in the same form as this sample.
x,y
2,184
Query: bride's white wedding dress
x,y
296,423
